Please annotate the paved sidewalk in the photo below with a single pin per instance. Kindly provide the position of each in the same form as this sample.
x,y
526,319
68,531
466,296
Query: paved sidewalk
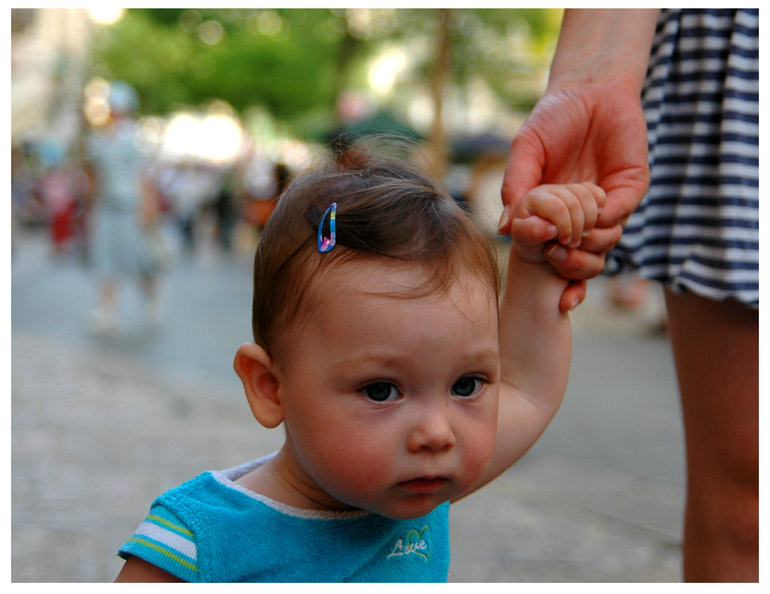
x,y
96,436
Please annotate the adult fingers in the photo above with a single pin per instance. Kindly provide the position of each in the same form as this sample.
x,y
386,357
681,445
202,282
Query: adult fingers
x,y
573,295
601,240
574,264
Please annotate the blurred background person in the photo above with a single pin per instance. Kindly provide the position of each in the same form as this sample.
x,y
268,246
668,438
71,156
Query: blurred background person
x,y
225,210
263,182
59,195
125,209
194,185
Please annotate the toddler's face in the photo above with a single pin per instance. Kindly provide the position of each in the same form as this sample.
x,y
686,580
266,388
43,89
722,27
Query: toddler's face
x,y
390,403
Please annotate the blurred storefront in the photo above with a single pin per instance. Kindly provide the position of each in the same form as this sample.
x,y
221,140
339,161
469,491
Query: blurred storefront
x,y
49,61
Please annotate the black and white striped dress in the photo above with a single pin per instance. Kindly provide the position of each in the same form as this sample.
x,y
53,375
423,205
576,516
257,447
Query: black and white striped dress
x,y
697,230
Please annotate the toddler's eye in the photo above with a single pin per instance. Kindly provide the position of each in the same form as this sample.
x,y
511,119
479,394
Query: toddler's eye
x,y
467,386
381,391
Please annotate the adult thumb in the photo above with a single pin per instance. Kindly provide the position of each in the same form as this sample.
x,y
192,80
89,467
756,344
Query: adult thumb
x,y
623,199
523,171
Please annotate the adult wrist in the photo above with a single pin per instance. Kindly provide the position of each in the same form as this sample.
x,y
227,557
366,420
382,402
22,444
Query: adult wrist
x,y
603,47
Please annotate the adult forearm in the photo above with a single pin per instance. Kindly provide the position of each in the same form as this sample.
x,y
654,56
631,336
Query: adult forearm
x,y
600,44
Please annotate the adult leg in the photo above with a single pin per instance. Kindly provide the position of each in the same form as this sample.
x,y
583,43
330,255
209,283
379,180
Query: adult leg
x,y
105,317
716,352
149,284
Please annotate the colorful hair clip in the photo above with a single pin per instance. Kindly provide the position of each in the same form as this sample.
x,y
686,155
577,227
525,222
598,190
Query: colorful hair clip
x,y
327,243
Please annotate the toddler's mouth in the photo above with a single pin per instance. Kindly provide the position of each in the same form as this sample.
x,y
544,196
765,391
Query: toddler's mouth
x,y
423,485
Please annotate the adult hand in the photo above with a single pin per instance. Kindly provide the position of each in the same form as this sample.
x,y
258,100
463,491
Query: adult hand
x,y
554,214
583,131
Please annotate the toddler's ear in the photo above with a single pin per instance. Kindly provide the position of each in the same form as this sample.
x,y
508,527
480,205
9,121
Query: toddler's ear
x,y
255,369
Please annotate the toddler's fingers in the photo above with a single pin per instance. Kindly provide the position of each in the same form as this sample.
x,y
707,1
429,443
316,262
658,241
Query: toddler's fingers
x,y
551,204
585,196
598,193
532,231
593,199
577,218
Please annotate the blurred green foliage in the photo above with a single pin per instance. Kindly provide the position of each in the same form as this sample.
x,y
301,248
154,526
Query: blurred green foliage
x,y
283,60
295,62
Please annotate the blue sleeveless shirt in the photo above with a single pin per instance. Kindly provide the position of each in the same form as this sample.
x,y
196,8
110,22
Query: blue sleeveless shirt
x,y
211,529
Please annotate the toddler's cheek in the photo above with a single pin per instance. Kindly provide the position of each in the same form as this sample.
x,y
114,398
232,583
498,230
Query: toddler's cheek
x,y
476,461
361,475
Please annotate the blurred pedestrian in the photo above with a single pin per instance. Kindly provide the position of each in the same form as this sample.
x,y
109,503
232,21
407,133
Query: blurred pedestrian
x,y
264,182
696,231
124,213
191,188
81,177
225,210
58,188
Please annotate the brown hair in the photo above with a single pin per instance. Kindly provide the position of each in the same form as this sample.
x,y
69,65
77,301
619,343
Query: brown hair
x,y
385,209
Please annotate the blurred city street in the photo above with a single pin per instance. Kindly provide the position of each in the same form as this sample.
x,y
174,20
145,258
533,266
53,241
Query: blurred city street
x,y
101,424
218,109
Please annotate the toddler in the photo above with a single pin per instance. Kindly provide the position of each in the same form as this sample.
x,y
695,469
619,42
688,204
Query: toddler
x,y
401,384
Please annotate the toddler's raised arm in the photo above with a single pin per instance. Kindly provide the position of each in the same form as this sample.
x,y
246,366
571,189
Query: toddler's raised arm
x,y
535,336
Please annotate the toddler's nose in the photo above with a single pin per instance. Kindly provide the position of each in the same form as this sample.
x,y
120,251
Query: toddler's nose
x,y
432,431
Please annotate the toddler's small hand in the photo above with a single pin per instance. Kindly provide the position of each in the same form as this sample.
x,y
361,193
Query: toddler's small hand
x,y
553,218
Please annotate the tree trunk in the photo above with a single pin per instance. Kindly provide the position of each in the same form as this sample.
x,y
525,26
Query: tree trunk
x,y
438,141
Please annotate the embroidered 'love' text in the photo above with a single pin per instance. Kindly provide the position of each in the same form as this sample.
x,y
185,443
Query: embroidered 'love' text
x,y
416,543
